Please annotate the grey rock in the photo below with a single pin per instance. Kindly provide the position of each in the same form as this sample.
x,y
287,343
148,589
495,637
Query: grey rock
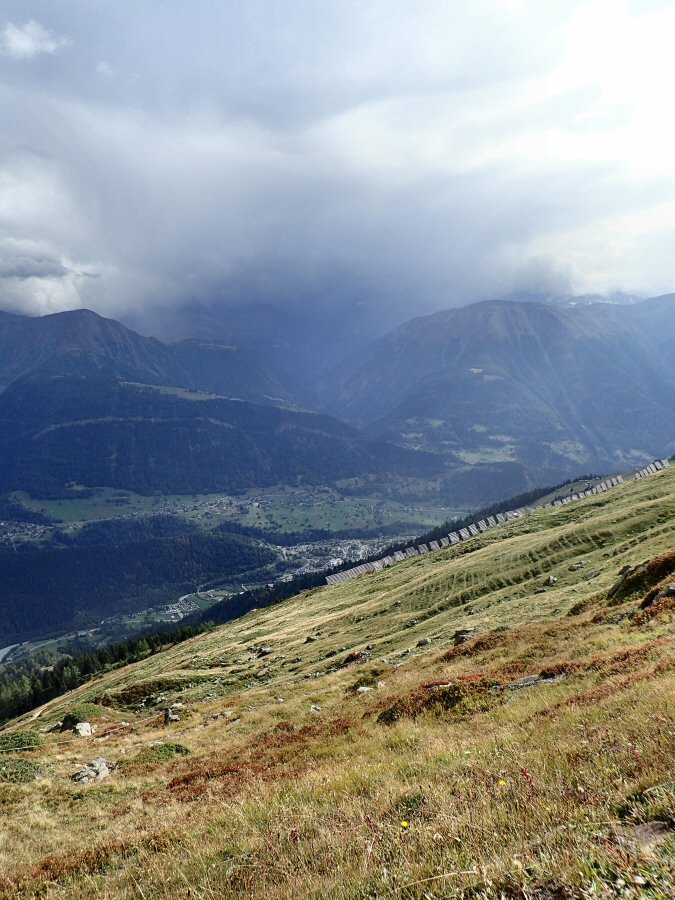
x,y
315,709
531,681
96,770
525,682
462,635
424,642
83,729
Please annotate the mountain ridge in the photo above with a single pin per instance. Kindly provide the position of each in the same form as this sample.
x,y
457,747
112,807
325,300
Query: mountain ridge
x,y
525,374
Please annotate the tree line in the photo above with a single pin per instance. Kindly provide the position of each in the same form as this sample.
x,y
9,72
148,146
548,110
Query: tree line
x,y
34,680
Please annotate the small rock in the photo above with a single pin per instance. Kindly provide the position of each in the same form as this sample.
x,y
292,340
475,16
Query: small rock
x,y
551,579
381,684
532,680
369,647
424,642
170,716
315,709
462,635
363,689
309,639
279,699
83,729
527,681
96,770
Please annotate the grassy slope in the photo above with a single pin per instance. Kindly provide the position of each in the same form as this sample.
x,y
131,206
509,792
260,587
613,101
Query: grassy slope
x,y
540,792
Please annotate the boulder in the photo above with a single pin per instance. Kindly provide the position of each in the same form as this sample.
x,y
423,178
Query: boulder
x,y
462,635
83,729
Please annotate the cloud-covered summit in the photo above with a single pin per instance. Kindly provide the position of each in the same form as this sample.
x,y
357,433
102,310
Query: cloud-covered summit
x,y
387,155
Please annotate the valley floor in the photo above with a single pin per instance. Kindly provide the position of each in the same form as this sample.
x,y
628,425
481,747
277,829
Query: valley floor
x,y
348,743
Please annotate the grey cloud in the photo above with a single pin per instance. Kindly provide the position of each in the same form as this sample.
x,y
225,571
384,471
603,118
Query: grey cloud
x,y
324,158
29,267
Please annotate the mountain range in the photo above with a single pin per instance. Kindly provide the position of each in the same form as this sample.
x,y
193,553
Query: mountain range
x,y
507,394
80,342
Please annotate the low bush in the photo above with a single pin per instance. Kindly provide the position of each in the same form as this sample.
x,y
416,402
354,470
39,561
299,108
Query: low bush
x,y
18,771
21,740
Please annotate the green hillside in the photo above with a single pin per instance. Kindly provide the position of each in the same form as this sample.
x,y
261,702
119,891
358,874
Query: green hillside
x,y
349,743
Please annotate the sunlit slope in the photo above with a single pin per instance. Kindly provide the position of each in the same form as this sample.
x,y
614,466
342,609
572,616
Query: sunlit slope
x,y
342,746
497,579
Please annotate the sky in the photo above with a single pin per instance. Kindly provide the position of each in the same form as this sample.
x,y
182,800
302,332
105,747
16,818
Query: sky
x,y
398,156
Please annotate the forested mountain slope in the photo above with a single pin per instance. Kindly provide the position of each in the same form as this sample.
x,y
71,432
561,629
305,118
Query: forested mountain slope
x,y
562,387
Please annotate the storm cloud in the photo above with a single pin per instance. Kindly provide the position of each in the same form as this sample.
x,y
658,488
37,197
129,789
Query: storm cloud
x,y
386,155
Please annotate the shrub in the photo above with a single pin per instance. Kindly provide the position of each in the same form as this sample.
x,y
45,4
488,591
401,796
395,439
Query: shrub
x,y
149,757
18,771
21,740
83,712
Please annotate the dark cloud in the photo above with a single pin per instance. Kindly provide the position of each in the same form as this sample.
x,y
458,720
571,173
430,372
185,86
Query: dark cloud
x,y
379,159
